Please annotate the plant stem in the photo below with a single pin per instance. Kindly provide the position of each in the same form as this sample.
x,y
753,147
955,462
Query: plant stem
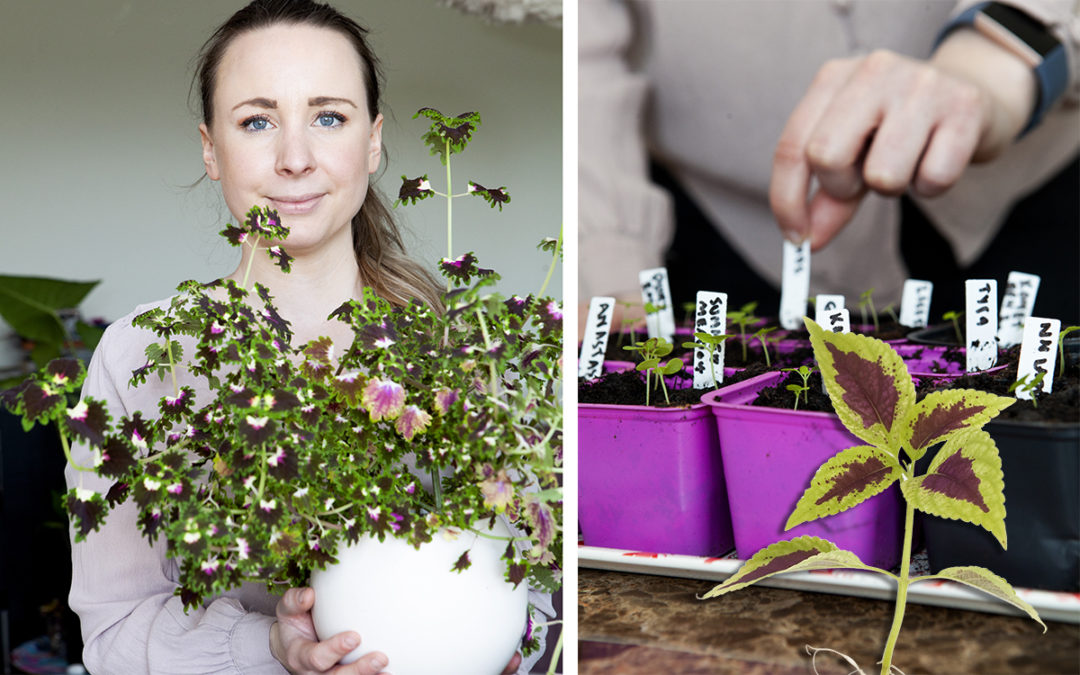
x,y
901,586
556,653
67,452
449,207
172,368
247,271
551,268
494,379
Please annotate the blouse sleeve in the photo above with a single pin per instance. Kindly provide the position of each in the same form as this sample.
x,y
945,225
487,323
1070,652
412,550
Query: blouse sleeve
x,y
122,586
625,221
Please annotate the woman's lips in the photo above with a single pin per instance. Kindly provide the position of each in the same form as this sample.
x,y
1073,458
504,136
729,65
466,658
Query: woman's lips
x,y
298,205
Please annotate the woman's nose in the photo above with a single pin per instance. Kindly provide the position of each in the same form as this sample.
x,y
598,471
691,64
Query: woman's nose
x,y
294,153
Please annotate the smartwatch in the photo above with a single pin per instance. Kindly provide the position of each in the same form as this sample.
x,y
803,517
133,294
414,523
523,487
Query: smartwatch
x,y
1030,40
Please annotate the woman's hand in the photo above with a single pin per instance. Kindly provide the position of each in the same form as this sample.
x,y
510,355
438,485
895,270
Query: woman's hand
x,y
512,667
886,123
294,644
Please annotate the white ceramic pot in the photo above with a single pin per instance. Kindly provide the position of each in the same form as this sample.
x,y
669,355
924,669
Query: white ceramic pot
x,y
411,606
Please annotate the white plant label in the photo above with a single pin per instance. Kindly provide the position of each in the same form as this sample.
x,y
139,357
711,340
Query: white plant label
x,y
915,303
1016,306
709,317
795,288
656,290
981,313
838,321
597,330
826,306
1038,354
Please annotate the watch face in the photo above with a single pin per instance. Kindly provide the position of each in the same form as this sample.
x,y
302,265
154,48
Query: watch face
x,y
1028,30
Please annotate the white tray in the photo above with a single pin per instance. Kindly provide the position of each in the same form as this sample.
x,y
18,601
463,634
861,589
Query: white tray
x,y
1051,605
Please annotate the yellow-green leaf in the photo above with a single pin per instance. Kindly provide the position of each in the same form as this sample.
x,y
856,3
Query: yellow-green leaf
x,y
796,555
964,482
868,382
943,413
988,582
846,480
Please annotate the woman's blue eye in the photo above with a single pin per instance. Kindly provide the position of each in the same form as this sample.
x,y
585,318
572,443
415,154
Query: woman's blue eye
x,y
329,120
255,123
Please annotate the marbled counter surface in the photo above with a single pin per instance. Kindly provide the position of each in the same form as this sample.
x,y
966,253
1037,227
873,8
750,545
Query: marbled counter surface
x,y
631,624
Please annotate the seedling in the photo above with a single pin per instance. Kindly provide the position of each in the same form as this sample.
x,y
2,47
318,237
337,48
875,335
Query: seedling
x,y
760,335
955,318
652,350
866,302
874,397
1029,384
800,389
1061,347
710,343
743,317
890,309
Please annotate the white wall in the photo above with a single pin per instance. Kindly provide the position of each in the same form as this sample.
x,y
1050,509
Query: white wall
x,y
98,142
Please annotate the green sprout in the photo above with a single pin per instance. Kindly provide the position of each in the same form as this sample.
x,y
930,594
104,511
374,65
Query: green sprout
x,y
1030,384
1061,347
955,318
890,309
743,317
652,350
804,372
710,343
760,335
866,302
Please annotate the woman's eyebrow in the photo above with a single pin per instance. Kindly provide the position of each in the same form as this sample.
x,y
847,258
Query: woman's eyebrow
x,y
271,104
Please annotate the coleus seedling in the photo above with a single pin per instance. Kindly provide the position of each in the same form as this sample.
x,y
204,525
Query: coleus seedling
x,y
874,397
760,334
803,389
710,343
866,306
954,317
651,352
743,317
1061,346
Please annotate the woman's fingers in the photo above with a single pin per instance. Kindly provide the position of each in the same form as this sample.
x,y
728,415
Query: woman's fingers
x,y
512,667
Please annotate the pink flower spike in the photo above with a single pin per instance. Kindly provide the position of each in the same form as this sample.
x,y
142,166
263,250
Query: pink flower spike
x,y
383,399
412,421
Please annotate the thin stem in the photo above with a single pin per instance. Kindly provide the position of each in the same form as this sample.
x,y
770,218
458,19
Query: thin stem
x,y
449,208
247,271
67,453
551,268
901,589
492,389
172,368
556,653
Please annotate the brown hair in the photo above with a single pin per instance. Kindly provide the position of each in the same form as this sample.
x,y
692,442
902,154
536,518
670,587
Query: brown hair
x,y
377,243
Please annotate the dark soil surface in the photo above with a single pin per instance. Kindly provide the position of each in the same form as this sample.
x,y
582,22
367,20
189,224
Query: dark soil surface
x,y
628,388
779,396
732,356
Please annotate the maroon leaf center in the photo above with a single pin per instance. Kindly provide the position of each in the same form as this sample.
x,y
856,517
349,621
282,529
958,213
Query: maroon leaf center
x,y
868,389
940,421
779,564
855,478
956,478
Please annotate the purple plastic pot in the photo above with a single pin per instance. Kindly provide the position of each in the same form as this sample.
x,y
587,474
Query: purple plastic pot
x,y
651,479
771,454
928,361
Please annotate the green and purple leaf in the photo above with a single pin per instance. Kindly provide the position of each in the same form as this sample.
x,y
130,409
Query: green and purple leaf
x,y
943,413
87,509
88,420
413,420
495,197
987,582
868,382
414,190
65,375
964,482
846,480
797,555
383,399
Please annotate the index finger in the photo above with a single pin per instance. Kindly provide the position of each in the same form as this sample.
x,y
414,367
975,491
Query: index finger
x,y
789,186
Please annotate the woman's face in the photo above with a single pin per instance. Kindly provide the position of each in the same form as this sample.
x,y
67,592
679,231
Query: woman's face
x,y
291,130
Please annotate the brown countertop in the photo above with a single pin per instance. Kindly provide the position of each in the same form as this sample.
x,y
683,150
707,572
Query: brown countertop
x,y
632,624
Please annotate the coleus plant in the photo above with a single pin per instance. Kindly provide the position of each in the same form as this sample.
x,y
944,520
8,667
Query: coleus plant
x,y
874,397
651,352
293,450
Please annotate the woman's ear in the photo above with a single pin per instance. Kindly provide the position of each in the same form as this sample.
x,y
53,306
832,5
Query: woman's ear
x,y
375,147
208,157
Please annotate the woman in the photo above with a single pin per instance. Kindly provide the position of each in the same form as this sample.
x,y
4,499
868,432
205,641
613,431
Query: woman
x,y
289,92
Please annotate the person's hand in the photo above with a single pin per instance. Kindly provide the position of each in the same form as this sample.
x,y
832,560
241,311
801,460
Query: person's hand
x,y
512,667
294,644
887,123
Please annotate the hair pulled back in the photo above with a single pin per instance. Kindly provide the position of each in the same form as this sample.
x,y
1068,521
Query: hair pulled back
x,y
380,253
